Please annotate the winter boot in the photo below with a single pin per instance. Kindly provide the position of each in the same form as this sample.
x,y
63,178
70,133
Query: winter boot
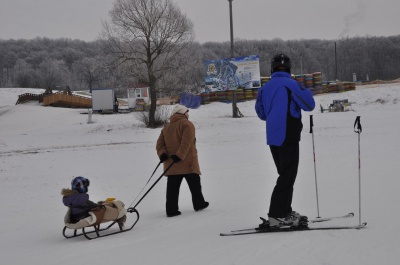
x,y
206,204
279,222
298,216
298,221
173,214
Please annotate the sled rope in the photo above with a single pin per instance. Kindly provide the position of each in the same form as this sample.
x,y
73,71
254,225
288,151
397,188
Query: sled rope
x,y
146,183
152,186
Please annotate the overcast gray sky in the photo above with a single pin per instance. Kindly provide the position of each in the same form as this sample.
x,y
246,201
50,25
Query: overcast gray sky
x,y
252,19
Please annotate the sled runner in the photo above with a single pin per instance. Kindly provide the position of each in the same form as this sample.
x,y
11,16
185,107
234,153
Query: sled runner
x,y
90,226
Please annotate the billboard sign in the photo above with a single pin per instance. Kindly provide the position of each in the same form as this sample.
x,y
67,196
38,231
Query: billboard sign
x,y
232,73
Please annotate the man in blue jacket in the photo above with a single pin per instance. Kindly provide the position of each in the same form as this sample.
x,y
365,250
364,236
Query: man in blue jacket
x,y
279,103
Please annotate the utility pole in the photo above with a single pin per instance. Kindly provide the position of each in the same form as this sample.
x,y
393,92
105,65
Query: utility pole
x,y
234,99
301,63
336,69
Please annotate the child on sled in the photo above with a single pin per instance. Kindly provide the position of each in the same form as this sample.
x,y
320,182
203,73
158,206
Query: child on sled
x,y
80,207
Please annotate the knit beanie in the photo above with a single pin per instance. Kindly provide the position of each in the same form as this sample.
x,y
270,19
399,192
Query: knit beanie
x,y
179,109
81,184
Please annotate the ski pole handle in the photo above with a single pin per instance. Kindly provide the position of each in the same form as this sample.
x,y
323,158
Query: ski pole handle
x,y
311,124
357,125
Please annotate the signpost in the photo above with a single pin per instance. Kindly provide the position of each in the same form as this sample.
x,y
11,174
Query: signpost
x,y
234,100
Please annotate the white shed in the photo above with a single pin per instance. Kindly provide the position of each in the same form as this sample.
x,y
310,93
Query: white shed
x,y
139,92
103,99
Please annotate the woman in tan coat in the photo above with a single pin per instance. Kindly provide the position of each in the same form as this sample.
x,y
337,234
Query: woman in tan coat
x,y
177,143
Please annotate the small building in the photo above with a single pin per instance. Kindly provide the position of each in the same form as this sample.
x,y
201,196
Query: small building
x,y
103,99
138,94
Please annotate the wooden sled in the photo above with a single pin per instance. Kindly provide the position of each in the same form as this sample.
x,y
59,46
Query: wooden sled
x,y
90,227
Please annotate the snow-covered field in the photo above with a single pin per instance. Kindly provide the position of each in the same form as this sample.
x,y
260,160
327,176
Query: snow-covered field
x,y
42,148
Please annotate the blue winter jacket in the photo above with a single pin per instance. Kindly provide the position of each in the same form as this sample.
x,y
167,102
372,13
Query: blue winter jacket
x,y
283,121
78,202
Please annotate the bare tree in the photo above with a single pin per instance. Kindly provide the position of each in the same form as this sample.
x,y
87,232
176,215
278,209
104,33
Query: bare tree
x,y
24,75
149,35
188,76
89,71
52,72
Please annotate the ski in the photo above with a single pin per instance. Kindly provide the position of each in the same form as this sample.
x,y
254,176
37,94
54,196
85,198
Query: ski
x,y
317,220
290,229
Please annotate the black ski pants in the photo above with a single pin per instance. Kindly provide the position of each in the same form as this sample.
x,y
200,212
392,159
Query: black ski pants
x,y
286,160
173,186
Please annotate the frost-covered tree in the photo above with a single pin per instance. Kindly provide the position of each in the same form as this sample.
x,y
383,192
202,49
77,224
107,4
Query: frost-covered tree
x,y
89,72
148,35
52,73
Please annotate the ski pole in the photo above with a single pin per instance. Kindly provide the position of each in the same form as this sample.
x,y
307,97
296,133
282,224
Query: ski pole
x,y
315,168
358,130
152,186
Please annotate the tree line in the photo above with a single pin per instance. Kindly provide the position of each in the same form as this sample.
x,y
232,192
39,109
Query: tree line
x,y
43,62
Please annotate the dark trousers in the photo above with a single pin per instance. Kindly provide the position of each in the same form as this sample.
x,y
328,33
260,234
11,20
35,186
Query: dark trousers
x,y
173,186
286,160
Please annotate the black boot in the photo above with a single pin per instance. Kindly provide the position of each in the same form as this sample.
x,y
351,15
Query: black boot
x,y
173,214
204,206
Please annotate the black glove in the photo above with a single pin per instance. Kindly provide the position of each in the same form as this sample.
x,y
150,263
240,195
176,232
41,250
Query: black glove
x,y
175,158
163,157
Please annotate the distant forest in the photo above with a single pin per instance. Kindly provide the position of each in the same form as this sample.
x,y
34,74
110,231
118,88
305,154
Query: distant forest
x,y
57,63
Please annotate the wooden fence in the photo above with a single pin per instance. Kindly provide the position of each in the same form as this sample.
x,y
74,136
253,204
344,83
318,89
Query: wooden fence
x,y
28,97
67,101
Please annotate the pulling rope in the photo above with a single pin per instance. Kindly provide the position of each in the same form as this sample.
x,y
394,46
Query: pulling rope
x,y
146,183
152,186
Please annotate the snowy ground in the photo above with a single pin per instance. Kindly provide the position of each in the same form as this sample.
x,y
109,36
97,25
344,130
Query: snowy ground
x,y
42,148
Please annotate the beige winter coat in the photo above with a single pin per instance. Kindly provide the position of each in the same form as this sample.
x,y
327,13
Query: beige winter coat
x,y
178,138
